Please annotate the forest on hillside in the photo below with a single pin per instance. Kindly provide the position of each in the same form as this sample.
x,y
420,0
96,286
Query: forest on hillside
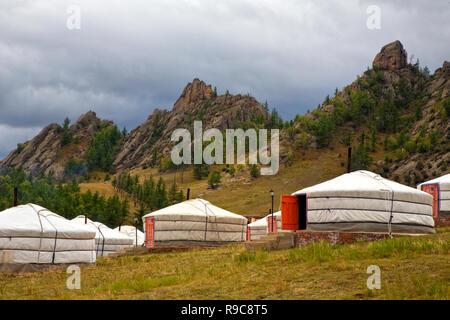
x,y
68,201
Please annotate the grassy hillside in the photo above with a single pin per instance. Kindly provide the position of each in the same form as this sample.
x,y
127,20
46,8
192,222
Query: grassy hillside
x,y
250,196
411,268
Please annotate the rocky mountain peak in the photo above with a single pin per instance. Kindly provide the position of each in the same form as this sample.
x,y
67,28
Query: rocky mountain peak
x,y
391,57
195,91
87,118
443,71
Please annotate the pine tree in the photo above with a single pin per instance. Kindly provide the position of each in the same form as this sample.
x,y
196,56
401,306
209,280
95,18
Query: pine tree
x,y
67,135
214,179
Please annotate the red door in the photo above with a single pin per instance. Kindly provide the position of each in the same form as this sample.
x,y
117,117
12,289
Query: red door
x,y
272,223
433,189
249,234
150,232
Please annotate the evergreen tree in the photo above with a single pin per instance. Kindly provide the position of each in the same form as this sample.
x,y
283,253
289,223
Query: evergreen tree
x,y
214,179
201,171
360,158
67,135
102,148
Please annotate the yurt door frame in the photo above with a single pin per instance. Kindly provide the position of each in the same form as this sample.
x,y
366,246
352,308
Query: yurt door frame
x,y
302,211
433,189
150,232
294,212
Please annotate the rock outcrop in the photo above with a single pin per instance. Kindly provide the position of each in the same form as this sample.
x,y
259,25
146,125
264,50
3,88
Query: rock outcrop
x,y
391,57
45,153
197,102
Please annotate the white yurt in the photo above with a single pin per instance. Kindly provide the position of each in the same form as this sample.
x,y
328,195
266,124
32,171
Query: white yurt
x,y
439,188
30,234
260,227
363,201
107,240
131,232
196,222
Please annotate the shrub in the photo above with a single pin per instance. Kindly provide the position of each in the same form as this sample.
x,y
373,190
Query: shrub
x,y
20,147
74,167
214,178
419,165
201,171
254,171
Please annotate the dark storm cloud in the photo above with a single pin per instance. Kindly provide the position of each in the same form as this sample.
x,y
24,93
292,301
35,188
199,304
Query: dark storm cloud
x,y
132,56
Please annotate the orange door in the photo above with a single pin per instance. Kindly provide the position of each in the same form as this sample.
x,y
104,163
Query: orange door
x,y
433,189
289,212
150,232
272,223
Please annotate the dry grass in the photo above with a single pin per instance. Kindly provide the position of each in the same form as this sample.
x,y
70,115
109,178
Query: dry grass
x,y
103,188
411,268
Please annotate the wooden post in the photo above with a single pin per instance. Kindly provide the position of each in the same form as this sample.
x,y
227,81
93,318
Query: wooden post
x,y
188,194
15,197
349,160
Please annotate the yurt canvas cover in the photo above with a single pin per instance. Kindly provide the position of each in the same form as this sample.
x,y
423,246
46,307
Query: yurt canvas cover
x,y
439,188
131,232
107,240
363,201
260,227
30,234
196,222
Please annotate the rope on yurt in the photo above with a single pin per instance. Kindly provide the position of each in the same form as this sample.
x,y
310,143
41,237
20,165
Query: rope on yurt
x,y
56,236
103,242
206,222
391,216
42,231
207,219
206,215
98,243
56,239
215,221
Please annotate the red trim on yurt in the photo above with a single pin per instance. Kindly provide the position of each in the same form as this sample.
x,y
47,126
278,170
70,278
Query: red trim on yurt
x,y
433,189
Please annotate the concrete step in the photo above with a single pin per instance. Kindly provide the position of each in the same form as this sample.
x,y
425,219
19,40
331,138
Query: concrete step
x,y
272,241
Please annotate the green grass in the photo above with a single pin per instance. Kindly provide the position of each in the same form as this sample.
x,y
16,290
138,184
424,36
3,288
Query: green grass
x,y
411,268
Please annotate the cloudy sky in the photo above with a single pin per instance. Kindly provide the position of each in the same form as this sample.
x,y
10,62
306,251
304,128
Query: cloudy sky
x,y
132,56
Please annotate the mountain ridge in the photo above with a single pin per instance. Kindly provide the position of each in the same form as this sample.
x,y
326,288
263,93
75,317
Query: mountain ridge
x,y
394,99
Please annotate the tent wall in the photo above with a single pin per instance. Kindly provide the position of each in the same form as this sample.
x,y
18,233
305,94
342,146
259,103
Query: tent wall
x,y
107,241
365,202
260,227
196,222
130,231
31,234
443,184
177,228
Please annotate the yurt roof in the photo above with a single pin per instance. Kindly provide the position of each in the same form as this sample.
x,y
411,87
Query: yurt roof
x,y
131,232
101,229
31,220
196,207
443,180
263,221
366,184
128,229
